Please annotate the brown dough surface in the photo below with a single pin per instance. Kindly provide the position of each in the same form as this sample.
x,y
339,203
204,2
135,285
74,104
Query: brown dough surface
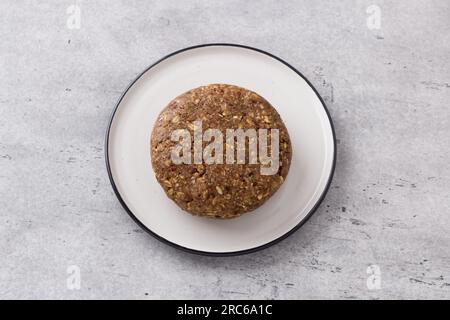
x,y
217,190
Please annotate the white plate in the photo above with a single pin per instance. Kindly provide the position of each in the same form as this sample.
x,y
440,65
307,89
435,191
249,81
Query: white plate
x,y
300,107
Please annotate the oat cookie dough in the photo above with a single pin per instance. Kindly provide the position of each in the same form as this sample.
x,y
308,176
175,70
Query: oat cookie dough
x,y
217,190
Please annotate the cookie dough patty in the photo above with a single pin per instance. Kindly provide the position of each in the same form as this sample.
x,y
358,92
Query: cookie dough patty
x,y
217,190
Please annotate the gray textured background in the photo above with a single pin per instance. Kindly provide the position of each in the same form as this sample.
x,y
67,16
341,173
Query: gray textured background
x,y
387,91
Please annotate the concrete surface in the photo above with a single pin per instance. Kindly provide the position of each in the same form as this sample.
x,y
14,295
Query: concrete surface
x,y
387,89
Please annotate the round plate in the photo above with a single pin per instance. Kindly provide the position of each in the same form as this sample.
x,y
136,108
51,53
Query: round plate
x,y
299,105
